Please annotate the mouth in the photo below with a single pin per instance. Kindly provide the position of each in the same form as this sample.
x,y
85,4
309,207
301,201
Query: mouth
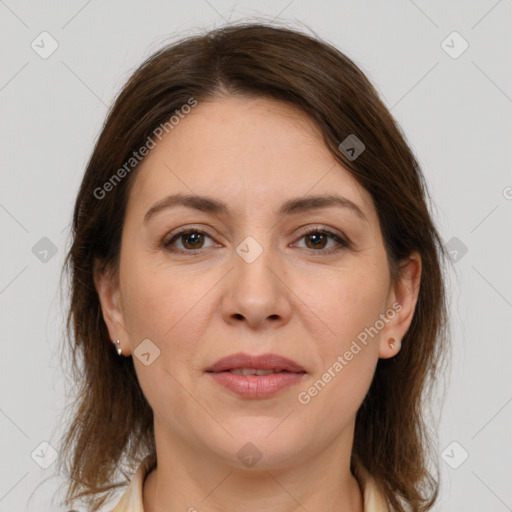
x,y
247,364
256,376
255,371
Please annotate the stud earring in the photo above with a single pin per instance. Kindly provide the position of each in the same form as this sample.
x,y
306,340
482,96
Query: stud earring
x,y
392,342
118,348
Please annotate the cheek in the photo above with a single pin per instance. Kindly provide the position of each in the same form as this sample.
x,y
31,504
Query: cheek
x,y
331,402
149,306
347,307
347,353
348,302
166,305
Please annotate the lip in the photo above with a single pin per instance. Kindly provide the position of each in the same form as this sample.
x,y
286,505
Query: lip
x,y
256,386
259,362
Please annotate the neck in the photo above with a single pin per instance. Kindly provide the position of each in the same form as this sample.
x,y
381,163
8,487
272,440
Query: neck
x,y
185,480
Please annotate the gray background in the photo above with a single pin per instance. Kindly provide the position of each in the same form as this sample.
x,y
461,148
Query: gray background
x,y
455,112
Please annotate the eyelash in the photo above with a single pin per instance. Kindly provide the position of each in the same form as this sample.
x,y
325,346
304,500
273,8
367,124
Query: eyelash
x,y
342,243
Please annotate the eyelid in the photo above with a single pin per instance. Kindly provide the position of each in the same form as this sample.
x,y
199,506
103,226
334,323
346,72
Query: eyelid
x,y
342,241
182,231
321,227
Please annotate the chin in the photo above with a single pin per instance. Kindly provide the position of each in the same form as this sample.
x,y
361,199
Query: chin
x,y
262,449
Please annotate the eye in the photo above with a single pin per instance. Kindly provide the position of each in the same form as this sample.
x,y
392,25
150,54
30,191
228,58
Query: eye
x,y
316,240
191,240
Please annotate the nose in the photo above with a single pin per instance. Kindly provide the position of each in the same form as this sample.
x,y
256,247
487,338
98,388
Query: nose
x,y
256,291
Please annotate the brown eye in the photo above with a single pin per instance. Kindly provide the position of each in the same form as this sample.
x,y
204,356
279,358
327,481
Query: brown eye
x,y
192,240
317,239
188,240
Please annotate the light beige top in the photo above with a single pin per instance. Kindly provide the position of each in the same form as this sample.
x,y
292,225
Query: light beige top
x,y
131,500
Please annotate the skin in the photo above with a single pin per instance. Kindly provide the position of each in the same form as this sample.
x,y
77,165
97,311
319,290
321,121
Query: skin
x,y
293,300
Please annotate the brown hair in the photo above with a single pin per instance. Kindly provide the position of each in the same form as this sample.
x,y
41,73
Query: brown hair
x,y
111,417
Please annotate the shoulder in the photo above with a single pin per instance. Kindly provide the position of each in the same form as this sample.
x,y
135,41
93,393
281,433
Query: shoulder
x,y
374,498
131,500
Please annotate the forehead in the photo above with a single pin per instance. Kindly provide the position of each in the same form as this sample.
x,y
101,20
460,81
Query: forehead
x,y
250,153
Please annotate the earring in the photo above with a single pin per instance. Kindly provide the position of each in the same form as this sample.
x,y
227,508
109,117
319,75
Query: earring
x,y
392,343
118,348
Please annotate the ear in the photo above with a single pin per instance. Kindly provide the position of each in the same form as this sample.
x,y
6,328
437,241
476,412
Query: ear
x,y
107,286
401,305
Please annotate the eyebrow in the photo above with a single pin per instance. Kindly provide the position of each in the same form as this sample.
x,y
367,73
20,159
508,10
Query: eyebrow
x,y
292,206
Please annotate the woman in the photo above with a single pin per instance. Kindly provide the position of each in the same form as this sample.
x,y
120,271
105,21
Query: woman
x,y
257,300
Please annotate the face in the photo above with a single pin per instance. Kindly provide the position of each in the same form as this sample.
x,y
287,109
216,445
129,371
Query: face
x,y
265,272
